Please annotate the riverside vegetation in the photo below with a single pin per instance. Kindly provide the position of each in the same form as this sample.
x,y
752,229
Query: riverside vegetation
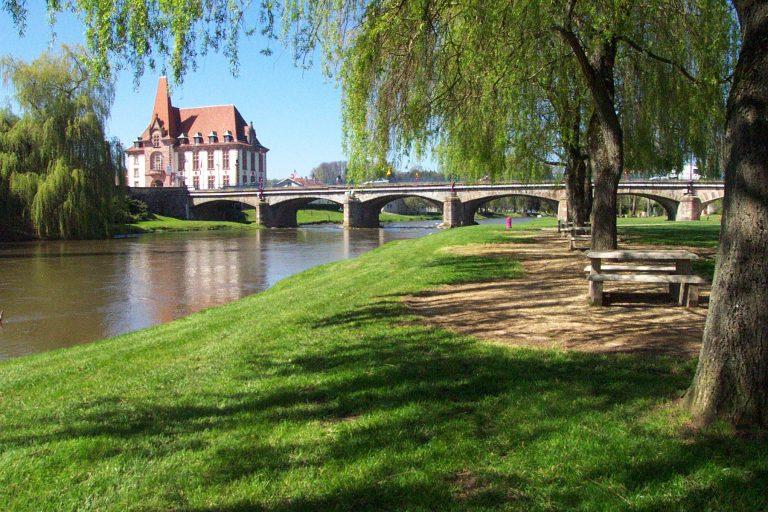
x,y
323,393
158,223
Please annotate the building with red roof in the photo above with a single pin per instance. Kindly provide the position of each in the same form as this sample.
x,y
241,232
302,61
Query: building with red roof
x,y
201,148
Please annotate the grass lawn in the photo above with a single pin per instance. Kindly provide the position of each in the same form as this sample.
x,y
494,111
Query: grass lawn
x,y
167,224
161,223
336,217
322,394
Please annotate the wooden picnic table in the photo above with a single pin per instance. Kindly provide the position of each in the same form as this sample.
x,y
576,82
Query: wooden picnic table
x,y
682,283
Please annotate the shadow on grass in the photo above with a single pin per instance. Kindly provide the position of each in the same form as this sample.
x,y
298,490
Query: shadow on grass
x,y
458,269
691,235
410,418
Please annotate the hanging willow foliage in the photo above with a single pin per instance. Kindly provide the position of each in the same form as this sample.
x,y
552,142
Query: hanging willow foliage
x,y
56,168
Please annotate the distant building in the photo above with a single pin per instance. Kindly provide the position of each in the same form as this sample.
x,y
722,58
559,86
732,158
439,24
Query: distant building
x,y
201,148
295,181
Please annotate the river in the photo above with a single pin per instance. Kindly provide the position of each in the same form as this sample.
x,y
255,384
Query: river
x,y
59,294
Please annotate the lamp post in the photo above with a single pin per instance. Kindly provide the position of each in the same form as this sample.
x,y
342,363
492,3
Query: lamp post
x,y
261,186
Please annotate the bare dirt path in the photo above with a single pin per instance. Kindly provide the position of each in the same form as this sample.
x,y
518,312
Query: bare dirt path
x,y
548,307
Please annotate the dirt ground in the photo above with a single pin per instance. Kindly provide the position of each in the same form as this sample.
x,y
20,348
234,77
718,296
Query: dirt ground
x,y
548,307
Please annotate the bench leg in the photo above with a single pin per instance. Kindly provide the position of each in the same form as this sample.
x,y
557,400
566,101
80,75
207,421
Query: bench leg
x,y
596,293
693,295
682,294
674,292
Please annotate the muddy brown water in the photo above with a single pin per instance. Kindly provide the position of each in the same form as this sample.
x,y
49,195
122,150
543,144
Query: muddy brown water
x,y
59,294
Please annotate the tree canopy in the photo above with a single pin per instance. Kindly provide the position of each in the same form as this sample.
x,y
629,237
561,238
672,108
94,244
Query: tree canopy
x,y
57,171
473,80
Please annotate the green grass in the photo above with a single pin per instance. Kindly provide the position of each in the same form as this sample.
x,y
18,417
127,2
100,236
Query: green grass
x,y
322,394
337,217
170,224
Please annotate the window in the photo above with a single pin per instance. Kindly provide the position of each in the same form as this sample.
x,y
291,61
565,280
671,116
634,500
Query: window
x,y
157,161
135,183
135,160
182,163
195,161
211,181
245,179
210,160
136,172
253,178
245,161
225,180
156,140
196,182
225,160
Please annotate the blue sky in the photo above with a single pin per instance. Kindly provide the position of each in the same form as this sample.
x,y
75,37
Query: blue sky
x,y
296,112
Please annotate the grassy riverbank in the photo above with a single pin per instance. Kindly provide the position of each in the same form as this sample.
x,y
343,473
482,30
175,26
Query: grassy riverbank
x,y
323,394
161,223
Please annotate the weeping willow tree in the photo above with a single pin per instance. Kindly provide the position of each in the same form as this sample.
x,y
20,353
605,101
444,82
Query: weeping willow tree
x,y
56,168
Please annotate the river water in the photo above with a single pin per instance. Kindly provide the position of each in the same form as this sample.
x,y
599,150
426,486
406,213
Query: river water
x,y
59,294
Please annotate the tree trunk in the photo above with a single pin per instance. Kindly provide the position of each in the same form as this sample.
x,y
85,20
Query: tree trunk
x,y
605,136
578,188
731,380
607,161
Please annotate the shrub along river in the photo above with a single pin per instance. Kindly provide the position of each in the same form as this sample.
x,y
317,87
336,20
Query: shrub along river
x,y
58,294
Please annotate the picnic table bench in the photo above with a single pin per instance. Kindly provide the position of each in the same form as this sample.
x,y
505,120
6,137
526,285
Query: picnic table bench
x,y
671,267
565,227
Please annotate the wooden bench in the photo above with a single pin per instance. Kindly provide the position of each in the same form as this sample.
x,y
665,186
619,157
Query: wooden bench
x,y
573,240
688,285
609,268
566,228
644,267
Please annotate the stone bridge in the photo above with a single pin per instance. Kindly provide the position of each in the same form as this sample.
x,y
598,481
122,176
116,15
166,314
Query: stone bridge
x,y
277,207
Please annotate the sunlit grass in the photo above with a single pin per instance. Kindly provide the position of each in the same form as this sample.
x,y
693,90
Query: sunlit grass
x,y
324,394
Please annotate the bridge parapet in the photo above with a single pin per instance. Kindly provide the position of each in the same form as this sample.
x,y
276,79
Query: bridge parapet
x,y
682,200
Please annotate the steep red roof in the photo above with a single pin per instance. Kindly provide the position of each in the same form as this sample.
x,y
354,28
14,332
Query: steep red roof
x,y
163,108
175,121
217,119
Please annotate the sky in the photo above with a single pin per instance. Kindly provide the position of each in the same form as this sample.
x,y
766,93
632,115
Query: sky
x,y
296,112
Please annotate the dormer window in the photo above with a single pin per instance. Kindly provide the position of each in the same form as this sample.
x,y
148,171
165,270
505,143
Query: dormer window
x,y
156,140
198,138
137,142
183,139
212,137
227,136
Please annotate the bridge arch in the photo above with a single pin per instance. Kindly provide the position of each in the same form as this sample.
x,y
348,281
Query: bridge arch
x,y
669,205
222,209
472,206
282,213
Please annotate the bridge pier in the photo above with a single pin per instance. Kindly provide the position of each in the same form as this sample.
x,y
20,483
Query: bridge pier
x,y
453,212
689,208
562,210
278,216
359,215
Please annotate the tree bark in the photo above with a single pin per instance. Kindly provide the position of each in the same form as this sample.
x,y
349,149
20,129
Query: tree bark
x,y
731,381
607,161
605,135
578,187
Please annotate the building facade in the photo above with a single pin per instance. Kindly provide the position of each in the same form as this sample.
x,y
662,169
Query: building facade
x,y
200,148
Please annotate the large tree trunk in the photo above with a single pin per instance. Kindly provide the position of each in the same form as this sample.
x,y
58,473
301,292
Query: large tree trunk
x,y
607,161
605,136
731,380
578,187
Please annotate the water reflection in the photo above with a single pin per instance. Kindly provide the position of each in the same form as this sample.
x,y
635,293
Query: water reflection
x,y
57,294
